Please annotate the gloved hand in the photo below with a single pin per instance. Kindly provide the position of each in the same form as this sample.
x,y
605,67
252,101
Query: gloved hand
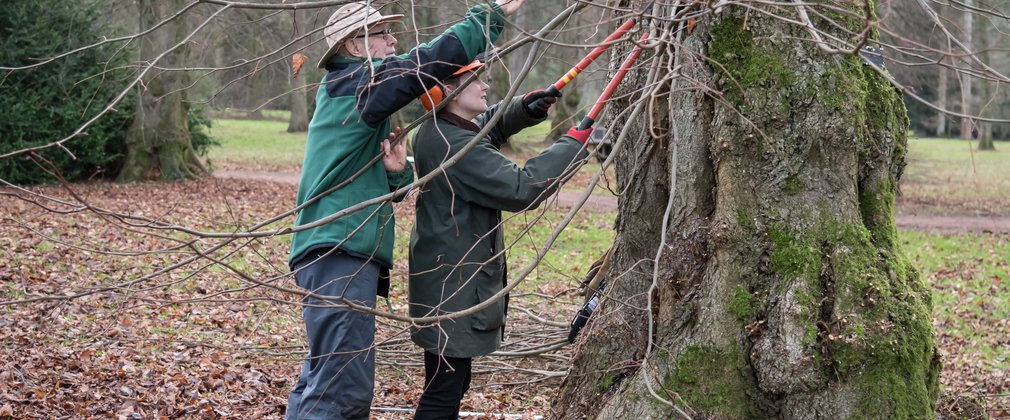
x,y
581,135
538,102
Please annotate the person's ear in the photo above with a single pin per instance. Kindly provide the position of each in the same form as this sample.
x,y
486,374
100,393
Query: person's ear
x,y
447,90
351,46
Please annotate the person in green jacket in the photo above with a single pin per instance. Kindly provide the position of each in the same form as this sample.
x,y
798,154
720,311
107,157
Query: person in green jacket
x,y
457,256
348,259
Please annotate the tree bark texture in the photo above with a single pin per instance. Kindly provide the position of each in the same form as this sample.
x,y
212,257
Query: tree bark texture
x,y
941,101
158,142
781,290
967,125
300,94
987,92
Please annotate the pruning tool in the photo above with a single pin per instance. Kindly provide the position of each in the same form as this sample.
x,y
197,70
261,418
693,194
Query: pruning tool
x,y
594,112
555,89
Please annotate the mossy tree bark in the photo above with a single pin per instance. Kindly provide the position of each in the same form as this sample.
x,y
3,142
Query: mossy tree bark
x,y
158,142
781,290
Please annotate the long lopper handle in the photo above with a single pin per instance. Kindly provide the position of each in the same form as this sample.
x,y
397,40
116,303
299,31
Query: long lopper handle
x,y
588,59
595,53
594,112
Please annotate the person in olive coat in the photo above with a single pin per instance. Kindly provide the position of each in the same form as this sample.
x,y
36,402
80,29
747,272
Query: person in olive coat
x,y
457,256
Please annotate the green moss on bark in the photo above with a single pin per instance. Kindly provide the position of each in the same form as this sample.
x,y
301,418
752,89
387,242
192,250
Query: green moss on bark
x,y
743,65
864,312
605,383
882,340
792,185
794,254
745,219
742,305
713,381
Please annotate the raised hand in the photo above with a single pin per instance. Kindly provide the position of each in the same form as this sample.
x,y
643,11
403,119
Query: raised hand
x,y
394,156
581,136
510,6
539,101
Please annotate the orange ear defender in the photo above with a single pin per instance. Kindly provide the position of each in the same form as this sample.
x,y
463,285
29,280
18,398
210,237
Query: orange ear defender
x,y
435,95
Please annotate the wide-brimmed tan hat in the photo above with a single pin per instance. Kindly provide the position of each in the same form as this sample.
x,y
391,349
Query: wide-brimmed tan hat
x,y
347,21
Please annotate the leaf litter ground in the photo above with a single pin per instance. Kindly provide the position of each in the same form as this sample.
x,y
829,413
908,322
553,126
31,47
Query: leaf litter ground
x,y
202,342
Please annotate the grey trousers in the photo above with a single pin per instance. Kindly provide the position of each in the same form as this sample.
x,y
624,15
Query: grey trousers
x,y
338,375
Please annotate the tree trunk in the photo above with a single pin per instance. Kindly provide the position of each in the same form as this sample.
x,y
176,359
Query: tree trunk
x,y
158,142
298,98
513,63
781,290
967,125
943,90
985,137
299,103
941,101
986,90
516,59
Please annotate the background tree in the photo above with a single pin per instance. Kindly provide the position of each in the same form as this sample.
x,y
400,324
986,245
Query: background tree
x,y
911,22
935,57
158,143
755,270
987,97
968,127
300,95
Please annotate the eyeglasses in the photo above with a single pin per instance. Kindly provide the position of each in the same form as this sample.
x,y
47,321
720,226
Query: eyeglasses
x,y
381,34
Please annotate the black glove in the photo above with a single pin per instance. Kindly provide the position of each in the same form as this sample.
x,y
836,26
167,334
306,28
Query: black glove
x,y
538,102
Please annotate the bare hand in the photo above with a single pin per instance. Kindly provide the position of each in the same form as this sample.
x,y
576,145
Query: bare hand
x,y
394,156
510,6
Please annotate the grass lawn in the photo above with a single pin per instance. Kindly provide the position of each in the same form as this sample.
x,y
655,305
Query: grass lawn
x,y
954,168
969,274
266,145
951,176
256,145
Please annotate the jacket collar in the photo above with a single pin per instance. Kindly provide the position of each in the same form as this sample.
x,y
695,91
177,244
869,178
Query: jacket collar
x,y
458,121
338,62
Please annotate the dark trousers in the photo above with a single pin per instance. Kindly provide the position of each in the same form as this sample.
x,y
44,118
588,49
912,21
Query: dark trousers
x,y
446,379
338,375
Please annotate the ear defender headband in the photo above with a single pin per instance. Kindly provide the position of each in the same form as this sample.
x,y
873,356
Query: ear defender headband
x,y
435,95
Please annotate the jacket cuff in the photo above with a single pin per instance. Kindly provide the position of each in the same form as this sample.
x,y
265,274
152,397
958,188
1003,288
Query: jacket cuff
x,y
399,179
584,150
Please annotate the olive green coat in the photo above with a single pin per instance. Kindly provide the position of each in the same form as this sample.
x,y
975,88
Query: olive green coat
x,y
456,248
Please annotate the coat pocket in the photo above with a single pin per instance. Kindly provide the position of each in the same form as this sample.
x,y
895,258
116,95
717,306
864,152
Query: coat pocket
x,y
489,283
